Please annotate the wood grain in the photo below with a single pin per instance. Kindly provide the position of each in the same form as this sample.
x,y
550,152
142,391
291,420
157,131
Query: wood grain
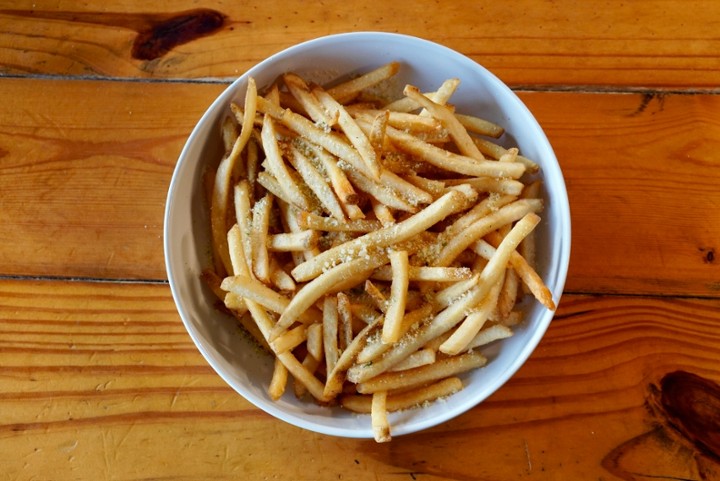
x,y
100,380
642,177
651,43
84,172
84,185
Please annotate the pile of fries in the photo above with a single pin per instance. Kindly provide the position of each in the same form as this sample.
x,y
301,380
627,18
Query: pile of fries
x,y
370,245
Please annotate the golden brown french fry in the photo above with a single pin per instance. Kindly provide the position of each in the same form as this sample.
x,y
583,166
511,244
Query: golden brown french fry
x,y
293,241
426,274
277,167
418,358
490,334
330,332
398,296
339,181
480,126
348,90
424,374
450,161
278,381
261,212
496,151
289,340
307,220
315,343
345,321
223,176
336,377
491,184
361,403
378,417
528,275
302,93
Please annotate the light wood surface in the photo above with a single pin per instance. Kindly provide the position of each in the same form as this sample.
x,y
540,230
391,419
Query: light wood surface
x,y
98,378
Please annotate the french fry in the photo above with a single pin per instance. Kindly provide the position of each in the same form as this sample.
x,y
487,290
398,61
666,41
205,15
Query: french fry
x,y
307,220
277,168
480,126
330,332
378,417
398,296
302,93
345,321
418,358
315,342
348,90
490,334
278,380
261,212
424,374
426,274
450,161
293,241
361,403
336,377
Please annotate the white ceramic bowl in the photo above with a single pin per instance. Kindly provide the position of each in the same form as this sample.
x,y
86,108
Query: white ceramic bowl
x,y
426,65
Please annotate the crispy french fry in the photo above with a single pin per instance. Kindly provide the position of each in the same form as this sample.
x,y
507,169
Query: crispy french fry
x,y
293,241
398,296
348,90
450,161
278,381
378,417
277,167
361,403
307,220
310,104
424,374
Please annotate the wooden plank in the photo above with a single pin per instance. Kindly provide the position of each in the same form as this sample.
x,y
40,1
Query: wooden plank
x,y
100,380
84,172
83,187
641,171
651,43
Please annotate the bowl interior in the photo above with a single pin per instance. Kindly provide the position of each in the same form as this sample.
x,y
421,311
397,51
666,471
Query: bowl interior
x,y
187,237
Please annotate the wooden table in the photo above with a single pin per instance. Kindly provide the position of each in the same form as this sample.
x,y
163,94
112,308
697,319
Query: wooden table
x,y
98,378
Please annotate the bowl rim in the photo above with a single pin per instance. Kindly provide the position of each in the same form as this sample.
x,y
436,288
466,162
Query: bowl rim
x,y
562,235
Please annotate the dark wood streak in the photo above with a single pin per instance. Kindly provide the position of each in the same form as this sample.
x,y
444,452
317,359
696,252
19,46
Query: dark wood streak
x,y
685,409
157,33
691,406
131,418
